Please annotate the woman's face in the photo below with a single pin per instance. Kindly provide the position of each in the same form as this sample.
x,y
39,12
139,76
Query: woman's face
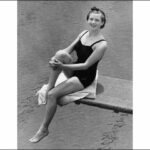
x,y
94,21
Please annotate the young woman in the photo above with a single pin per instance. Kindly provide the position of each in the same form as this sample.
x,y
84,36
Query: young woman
x,y
90,46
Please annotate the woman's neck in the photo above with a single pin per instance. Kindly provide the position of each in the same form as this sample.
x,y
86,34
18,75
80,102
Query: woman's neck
x,y
93,33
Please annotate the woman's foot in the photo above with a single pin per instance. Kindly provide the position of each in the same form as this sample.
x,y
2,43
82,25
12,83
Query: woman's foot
x,y
39,136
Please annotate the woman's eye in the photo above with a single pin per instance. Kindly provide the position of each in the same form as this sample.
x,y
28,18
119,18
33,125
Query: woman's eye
x,y
96,20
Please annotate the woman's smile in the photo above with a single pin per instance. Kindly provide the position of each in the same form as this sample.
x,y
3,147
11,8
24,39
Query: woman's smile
x,y
94,20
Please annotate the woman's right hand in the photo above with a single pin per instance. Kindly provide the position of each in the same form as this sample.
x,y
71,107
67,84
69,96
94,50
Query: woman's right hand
x,y
52,63
58,56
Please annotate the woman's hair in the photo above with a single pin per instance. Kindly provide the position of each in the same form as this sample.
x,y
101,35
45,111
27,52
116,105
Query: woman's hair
x,y
97,10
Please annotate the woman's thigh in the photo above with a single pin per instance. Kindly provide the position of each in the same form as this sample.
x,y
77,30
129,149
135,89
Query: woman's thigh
x,y
69,86
68,73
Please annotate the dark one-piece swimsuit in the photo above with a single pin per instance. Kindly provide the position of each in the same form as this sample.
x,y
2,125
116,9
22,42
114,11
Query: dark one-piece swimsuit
x,y
86,77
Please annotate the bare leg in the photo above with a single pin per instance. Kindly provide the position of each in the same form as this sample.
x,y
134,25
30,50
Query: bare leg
x,y
54,73
69,86
51,105
64,58
50,108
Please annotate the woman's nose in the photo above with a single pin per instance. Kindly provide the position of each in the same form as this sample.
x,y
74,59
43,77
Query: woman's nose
x,y
93,21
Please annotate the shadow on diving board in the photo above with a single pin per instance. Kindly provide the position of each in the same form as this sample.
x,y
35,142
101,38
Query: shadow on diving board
x,y
112,93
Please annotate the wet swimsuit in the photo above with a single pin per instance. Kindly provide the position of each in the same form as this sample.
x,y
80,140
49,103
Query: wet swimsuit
x,y
86,77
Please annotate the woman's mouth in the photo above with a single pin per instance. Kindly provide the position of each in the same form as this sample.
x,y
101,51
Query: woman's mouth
x,y
93,26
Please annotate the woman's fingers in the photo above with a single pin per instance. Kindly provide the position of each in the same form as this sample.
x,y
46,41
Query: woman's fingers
x,y
55,63
53,59
52,63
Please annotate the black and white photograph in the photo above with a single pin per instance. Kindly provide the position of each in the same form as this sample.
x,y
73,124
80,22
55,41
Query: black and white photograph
x,y
75,66
74,74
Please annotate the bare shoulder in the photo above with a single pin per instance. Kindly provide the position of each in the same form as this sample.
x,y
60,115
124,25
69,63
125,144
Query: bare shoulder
x,y
80,34
102,45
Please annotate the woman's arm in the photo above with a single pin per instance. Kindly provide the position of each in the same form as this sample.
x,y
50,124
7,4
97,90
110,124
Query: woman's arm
x,y
98,53
69,49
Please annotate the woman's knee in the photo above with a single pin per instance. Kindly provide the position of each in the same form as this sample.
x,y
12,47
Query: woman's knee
x,y
52,96
63,56
53,99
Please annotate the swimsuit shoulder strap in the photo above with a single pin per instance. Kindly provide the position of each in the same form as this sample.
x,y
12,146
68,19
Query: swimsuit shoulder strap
x,y
83,34
98,42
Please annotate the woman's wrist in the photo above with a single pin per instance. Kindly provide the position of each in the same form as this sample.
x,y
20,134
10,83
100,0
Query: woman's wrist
x,y
66,66
63,66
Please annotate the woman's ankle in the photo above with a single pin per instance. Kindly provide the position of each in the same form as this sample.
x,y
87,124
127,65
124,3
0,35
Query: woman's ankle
x,y
43,128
